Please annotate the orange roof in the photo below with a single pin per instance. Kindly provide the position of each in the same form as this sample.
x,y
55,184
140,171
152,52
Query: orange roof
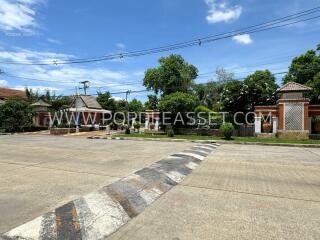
x,y
6,93
293,87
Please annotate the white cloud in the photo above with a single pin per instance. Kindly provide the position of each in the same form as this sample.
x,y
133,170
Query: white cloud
x,y
117,98
40,89
221,12
243,39
18,15
120,45
54,41
3,83
66,76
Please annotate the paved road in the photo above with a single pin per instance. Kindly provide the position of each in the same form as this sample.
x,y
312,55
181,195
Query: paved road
x,y
239,192
39,173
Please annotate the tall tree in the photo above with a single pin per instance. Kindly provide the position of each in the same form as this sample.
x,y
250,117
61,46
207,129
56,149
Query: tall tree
x,y
152,103
173,75
303,68
260,87
135,106
315,85
234,97
106,101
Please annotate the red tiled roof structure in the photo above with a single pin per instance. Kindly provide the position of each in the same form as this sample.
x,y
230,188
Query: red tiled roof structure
x,y
293,87
6,93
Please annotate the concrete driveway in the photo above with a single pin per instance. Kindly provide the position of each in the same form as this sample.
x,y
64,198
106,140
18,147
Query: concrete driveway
x,y
40,173
239,192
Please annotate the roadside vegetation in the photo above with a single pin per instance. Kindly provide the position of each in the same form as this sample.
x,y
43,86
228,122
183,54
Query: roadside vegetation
x,y
213,138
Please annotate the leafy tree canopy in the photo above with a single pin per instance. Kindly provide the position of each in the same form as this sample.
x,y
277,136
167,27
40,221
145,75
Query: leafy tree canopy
x,y
303,68
16,115
107,102
178,102
260,88
257,89
135,106
234,97
315,85
152,103
173,75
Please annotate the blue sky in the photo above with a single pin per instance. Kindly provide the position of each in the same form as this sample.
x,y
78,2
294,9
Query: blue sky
x,y
33,30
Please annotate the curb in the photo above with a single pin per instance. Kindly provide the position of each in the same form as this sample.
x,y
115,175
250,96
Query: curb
x,y
209,141
154,139
99,214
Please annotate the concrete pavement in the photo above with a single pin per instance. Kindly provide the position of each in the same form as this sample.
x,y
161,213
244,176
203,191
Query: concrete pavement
x,y
239,192
39,173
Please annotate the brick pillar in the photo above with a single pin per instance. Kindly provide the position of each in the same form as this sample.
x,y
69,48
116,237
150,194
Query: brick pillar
x,y
306,116
281,116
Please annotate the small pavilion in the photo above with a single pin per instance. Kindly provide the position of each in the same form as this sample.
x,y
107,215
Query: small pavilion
x,y
42,118
291,117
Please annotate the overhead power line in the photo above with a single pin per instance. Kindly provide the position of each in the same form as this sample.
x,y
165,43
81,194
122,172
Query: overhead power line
x,y
272,24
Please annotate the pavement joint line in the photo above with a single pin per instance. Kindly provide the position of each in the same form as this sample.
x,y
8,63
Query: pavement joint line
x,y
100,213
250,193
314,153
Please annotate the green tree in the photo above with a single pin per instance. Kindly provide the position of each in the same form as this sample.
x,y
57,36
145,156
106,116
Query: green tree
x,y
315,85
303,68
32,96
107,102
178,103
135,106
260,88
152,103
173,75
16,115
318,47
60,102
234,97
210,93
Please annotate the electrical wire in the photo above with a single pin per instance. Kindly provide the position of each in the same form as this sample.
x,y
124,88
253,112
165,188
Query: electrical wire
x,y
276,23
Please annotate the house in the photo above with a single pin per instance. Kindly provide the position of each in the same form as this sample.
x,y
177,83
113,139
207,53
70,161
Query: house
x,y
6,93
292,116
90,110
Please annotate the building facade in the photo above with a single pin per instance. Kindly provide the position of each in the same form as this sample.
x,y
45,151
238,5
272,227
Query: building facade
x,y
292,116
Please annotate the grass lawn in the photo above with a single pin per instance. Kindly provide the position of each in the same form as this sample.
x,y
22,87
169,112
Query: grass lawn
x,y
235,139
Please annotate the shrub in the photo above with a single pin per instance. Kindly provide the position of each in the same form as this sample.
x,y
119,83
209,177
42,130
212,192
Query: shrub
x,y
227,130
170,132
127,129
137,125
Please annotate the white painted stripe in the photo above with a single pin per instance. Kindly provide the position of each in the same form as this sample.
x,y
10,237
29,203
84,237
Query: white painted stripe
x,y
192,165
204,147
198,150
209,145
29,230
104,218
175,176
192,155
174,157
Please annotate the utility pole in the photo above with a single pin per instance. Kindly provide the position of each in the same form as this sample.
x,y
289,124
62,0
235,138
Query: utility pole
x,y
127,93
85,86
127,105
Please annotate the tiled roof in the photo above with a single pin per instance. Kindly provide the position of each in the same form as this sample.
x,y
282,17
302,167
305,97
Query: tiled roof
x,y
90,102
293,87
41,103
6,93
